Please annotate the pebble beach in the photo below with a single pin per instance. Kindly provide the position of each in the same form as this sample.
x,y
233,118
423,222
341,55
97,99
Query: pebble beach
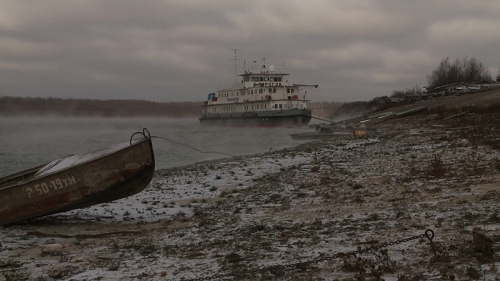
x,y
402,204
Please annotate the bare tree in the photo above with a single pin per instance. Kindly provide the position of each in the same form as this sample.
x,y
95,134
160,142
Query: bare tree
x,y
465,71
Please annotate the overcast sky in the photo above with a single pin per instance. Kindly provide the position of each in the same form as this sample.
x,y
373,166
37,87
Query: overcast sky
x,y
180,50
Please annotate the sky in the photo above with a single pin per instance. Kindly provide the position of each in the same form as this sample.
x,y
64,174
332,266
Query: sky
x,y
181,50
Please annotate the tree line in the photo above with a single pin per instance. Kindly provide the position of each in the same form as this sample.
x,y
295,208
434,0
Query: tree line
x,y
467,70
464,71
30,106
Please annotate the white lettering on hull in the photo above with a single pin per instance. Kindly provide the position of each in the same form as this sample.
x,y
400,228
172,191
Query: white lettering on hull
x,y
50,186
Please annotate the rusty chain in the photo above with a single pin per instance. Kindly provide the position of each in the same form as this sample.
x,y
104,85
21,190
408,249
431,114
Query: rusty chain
x,y
279,269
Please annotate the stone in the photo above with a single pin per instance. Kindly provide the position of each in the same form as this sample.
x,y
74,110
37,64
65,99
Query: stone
x,y
53,249
233,257
481,242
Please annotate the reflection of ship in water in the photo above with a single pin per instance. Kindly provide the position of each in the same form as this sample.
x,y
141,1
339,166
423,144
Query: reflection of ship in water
x,y
263,98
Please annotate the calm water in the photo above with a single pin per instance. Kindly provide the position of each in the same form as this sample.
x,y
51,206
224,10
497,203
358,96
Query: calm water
x,y
28,142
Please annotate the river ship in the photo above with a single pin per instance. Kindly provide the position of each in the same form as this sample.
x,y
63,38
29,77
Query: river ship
x,y
262,98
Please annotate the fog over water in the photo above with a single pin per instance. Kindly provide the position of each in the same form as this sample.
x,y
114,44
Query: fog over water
x,y
28,142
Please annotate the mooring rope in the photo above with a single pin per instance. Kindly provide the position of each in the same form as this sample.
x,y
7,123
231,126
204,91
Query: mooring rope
x,y
193,148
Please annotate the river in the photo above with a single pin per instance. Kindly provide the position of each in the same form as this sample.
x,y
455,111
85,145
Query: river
x,y
26,142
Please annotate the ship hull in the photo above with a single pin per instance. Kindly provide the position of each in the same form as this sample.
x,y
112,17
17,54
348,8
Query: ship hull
x,y
269,118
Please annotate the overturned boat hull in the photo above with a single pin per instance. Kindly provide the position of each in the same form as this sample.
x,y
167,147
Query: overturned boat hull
x,y
77,181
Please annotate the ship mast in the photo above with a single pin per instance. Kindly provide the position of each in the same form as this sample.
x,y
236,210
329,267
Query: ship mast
x,y
235,59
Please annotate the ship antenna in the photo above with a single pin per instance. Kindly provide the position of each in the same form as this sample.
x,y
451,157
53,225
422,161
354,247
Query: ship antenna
x,y
235,59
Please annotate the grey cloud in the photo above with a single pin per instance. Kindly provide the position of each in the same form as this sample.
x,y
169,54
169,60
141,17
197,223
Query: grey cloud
x,y
180,50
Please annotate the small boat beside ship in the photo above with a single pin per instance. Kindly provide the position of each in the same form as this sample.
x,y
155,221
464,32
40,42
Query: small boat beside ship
x,y
78,181
262,98
334,132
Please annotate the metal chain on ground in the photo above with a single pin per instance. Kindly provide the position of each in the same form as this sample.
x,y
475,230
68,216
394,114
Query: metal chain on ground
x,y
279,269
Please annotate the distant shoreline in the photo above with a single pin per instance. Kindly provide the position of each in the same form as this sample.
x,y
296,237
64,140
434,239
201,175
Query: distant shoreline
x,y
58,107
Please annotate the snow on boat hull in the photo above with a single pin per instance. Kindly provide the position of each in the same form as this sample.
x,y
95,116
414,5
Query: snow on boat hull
x,y
77,181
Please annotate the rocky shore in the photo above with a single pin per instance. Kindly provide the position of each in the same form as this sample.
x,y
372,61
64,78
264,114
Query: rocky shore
x,y
423,193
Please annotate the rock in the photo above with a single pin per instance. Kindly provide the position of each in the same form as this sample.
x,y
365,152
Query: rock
x,y
275,197
481,242
55,273
233,257
315,169
15,263
53,249
204,222
277,270
78,259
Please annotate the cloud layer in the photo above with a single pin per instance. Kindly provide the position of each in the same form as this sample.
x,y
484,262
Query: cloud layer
x,y
180,50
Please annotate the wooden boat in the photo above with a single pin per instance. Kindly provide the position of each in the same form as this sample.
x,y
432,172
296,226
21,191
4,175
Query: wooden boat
x,y
78,181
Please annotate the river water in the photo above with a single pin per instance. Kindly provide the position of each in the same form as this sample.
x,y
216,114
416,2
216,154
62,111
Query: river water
x,y
30,141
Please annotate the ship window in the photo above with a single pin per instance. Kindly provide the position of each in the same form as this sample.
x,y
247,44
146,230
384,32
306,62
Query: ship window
x,y
266,78
293,90
301,106
246,79
261,91
274,90
281,106
278,79
270,90
288,91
